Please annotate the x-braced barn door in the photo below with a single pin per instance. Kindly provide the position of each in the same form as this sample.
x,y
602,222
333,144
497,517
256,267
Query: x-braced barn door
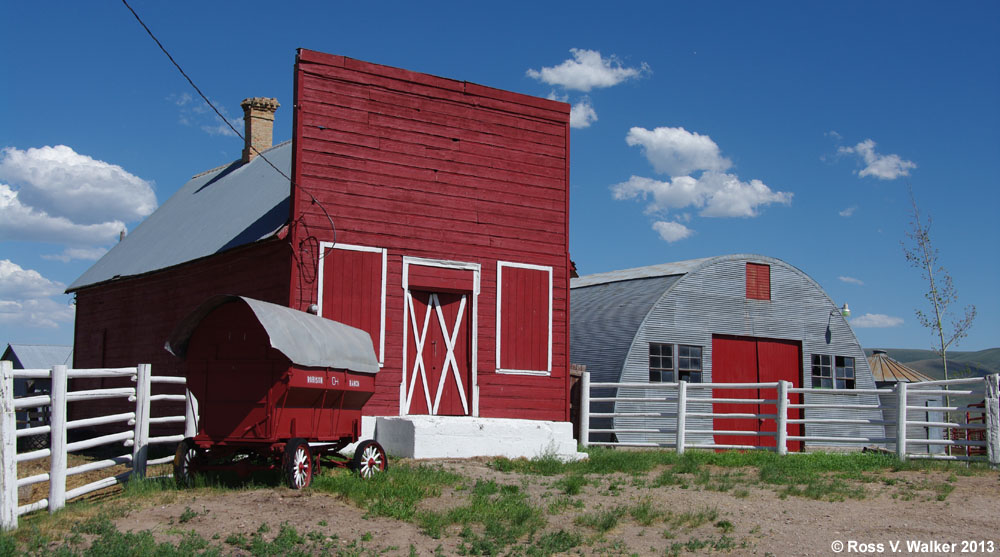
x,y
438,349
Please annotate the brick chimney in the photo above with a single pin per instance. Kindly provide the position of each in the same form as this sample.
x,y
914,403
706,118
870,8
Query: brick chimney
x,y
258,120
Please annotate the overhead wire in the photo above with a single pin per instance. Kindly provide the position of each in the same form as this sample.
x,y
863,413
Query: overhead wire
x,y
291,182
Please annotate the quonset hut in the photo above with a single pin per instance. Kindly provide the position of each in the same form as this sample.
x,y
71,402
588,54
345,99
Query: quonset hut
x,y
727,319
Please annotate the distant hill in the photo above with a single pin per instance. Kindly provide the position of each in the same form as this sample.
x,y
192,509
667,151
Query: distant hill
x,y
974,364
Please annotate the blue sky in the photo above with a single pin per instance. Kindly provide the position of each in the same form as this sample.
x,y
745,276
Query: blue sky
x,y
789,129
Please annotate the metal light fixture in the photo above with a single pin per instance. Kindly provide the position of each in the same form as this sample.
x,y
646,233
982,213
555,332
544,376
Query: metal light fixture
x,y
844,311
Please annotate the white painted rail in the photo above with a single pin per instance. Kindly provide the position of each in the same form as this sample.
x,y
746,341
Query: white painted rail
x,y
667,409
136,436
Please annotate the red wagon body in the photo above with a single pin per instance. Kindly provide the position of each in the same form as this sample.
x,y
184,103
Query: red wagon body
x,y
269,380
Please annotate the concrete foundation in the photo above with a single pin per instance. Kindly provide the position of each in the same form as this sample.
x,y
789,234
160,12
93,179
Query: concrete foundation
x,y
466,437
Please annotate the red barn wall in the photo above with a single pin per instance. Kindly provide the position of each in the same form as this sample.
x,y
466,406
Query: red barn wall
x,y
434,168
127,322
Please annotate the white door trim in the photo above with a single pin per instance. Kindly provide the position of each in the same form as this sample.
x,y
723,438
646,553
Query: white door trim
x,y
405,395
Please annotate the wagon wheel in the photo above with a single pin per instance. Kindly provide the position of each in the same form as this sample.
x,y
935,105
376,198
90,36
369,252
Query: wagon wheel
x,y
186,462
369,459
297,464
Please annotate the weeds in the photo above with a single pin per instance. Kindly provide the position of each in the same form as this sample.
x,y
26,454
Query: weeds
x,y
392,494
501,511
601,521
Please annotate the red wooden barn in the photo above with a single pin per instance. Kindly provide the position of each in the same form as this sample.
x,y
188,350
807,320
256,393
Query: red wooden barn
x,y
429,212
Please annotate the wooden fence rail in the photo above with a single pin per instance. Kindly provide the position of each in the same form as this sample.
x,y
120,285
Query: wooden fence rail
x,y
138,437
643,408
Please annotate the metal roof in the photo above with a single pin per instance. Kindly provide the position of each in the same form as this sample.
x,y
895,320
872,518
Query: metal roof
x,y
611,312
661,270
305,339
38,356
887,369
215,211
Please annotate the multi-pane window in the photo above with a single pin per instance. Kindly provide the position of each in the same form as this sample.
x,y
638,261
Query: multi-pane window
x,y
822,371
830,372
661,362
844,372
662,365
689,363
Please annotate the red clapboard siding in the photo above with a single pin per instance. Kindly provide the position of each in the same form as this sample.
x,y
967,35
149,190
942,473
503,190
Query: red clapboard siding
x,y
126,322
439,169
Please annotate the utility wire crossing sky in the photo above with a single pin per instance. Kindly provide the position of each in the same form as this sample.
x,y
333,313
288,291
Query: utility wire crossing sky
x,y
783,129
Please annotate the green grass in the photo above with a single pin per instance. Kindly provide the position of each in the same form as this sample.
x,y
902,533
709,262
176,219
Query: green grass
x,y
500,513
394,493
818,476
553,543
601,521
645,513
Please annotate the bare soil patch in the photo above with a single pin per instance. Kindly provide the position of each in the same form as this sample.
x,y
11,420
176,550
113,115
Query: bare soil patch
x,y
751,519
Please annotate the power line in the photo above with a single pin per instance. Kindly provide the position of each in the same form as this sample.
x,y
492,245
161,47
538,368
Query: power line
x,y
202,95
219,114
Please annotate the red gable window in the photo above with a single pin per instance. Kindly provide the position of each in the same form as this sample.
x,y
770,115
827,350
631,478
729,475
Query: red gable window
x,y
758,281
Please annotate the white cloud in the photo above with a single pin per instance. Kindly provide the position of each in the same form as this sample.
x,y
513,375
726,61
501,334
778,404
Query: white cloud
x,y
848,211
851,280
17,282
587,70
883,167
53,194
582,114
672,231
26,298
22,223
194,112
716,194
676,151
698,179
876,321
69,254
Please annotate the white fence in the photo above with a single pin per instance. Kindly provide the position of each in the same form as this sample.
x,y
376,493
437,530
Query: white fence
x,y
59,447
980,426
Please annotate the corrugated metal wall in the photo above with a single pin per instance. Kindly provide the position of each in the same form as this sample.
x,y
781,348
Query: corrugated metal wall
x,y
603,322
712,300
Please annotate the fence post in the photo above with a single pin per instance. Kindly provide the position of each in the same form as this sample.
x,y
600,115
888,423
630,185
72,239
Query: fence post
x,y
8,448
585,409
140,440
901,420
993,419
57,439
782,408
682,400
190,414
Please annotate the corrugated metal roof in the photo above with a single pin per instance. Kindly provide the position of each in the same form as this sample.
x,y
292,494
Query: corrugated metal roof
x,y
305,339
215,211
604,319
661,270
38,356
887,369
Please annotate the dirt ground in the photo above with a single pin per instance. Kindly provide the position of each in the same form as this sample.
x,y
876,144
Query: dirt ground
x,y
756,520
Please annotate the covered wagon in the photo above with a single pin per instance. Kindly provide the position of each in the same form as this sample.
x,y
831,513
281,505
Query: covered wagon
x,y
276,388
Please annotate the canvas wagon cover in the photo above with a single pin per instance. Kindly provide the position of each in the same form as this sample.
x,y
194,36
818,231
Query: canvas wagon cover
x,y
305,339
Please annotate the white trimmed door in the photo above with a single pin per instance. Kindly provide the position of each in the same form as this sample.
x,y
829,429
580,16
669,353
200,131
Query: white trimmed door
x,y
438,376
